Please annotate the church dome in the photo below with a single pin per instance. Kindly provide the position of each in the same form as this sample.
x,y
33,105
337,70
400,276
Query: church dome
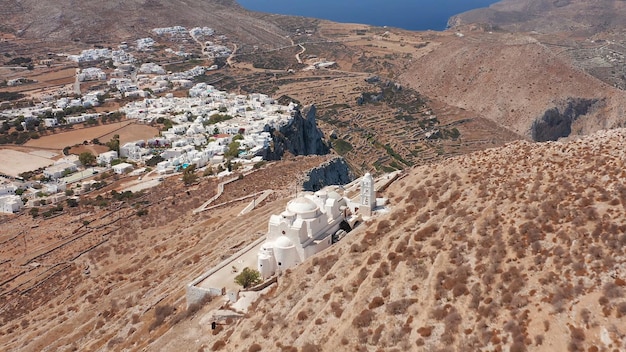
x,y
301,206
283,242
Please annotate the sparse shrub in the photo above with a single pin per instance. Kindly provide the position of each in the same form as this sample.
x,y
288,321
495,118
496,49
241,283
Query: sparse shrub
x,y
336,309
160,314
621,310
400,306
425,331
611,290
364,319
376,302
255,347
309,347
218,345
302,315
378,334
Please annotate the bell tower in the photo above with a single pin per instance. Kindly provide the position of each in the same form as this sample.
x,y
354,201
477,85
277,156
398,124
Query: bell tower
x,y
368,195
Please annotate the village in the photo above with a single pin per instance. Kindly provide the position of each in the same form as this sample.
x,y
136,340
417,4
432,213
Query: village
x,y
214,131
210,128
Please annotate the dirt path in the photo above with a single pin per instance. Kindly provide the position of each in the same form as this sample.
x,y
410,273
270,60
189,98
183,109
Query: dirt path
x,y
300,53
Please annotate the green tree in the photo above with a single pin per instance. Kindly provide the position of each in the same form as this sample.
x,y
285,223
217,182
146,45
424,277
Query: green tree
x,y
87,159
189,174
248,277
114,143
232,151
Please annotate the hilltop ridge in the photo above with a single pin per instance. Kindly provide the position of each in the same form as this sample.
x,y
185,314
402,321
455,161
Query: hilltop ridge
x,y
96,22
515,248
578,17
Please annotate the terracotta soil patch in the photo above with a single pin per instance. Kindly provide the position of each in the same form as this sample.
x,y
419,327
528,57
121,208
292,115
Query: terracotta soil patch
x,y
127,130
132,132
92,148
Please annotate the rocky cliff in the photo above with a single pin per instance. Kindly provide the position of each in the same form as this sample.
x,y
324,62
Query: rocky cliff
x,y
557,122
301,136
332,172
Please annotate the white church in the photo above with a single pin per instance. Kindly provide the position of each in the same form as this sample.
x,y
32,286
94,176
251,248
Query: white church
x,y
312,223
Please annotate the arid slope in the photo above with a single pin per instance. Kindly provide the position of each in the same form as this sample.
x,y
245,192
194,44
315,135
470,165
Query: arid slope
x,y
516,248
94,21
547,16
512,79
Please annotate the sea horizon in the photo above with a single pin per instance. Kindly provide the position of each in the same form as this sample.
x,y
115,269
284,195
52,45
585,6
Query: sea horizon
x,y
406,14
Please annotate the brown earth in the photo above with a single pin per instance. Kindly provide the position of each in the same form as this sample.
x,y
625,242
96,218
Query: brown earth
x,y
92,148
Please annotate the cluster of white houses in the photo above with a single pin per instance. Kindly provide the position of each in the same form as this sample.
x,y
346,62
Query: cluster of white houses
x,y
118,56
198,136
153,78
47,106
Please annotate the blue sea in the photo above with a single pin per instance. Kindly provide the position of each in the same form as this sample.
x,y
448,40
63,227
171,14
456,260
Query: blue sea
x,y
407,14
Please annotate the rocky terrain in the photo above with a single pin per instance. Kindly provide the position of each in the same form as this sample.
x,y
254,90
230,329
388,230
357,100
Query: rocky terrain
x,y
514,248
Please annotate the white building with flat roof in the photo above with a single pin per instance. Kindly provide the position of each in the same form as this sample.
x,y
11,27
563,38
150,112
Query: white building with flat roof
x,y
10,204
122,168
106,157
58,170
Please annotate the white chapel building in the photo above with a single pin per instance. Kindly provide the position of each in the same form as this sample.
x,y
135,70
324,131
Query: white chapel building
x,y
310,224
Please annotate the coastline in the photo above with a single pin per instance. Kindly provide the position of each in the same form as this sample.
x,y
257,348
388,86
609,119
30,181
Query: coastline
x,y
405,14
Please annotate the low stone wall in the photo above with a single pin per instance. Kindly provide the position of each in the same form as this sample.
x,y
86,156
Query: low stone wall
x,y
195,294
264,284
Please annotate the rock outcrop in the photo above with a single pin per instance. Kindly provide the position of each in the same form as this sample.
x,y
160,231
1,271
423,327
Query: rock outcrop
x,y
557,122
332,172
301,136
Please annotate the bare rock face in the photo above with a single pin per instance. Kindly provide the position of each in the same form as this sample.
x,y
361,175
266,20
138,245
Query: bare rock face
x,y
557,122
333,172
300,137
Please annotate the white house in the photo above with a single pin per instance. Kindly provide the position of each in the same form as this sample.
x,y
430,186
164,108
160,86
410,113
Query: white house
x,y
10,204
58,169
50,122
122,168
132,151
8,190
106,157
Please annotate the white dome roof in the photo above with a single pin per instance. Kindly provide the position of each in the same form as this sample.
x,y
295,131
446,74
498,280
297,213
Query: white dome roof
x,y
283,242
301,205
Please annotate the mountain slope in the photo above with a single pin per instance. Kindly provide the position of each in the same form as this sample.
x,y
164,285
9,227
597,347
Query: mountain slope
x,y
516,248
514,80
90,20
581,16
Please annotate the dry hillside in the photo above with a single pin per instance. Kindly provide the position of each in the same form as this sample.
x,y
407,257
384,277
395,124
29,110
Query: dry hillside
x,y
514,80
95,21
509,249
105,275
580,16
